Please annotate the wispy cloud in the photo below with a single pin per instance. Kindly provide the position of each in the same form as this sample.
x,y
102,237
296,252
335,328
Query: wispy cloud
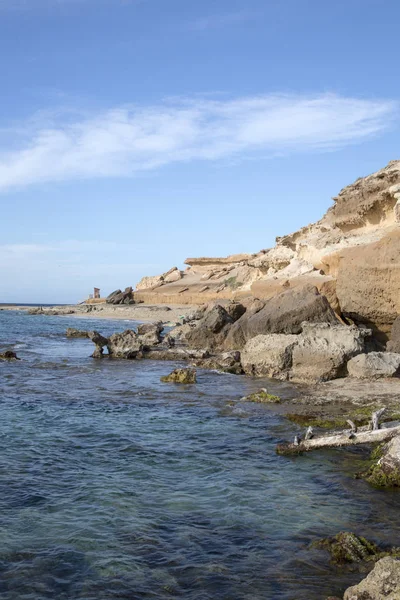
x,y
126,140
220,20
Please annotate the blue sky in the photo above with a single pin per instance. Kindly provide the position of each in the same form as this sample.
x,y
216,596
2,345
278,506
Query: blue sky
x,y
135,133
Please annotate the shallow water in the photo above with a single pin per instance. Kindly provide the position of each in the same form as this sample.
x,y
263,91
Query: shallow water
x,y
114,485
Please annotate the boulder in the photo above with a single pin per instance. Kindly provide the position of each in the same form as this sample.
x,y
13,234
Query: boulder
x,y
100,341
323,351
283,313
374,365
173,275
319,353
119,297
111,296
124,345
76,333
180,376
394,344
269,355
383,583
346,548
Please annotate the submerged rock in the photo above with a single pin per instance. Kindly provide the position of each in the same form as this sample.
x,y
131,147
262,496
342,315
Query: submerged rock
x,y
346,547
8,355
374,365
76,333
180,376
261,396
383,583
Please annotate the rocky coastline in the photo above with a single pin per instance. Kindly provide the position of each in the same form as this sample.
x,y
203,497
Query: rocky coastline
x,y
321,311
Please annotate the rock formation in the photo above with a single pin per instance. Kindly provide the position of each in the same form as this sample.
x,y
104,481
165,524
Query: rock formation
x,y
350,256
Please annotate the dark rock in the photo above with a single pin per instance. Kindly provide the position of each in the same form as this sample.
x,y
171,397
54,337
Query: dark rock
x,y
100,341
208,332
9,355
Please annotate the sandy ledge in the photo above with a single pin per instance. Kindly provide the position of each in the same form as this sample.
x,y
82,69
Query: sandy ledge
x,y
134,312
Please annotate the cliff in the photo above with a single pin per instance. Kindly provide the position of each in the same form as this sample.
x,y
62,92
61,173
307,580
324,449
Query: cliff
x,y
351,255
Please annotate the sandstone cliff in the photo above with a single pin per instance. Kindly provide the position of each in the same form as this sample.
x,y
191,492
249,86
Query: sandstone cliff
x,y
351,255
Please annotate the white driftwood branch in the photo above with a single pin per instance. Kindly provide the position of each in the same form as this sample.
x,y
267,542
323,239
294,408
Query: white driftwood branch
x,y
364,435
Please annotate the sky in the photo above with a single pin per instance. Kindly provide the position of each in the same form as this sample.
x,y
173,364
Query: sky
x,y
136,133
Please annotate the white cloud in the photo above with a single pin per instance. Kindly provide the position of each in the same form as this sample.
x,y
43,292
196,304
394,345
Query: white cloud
x,y
126,140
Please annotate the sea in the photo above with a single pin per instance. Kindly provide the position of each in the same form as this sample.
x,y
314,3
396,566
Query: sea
x,y
115,485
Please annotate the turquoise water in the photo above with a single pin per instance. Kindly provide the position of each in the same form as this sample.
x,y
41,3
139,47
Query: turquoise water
x,y
114,485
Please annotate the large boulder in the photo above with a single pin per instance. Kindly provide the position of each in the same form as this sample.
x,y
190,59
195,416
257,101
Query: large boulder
x,y
283,313
124,345
383,583
269,355
374,365
323,351
210,331
394,344
319,353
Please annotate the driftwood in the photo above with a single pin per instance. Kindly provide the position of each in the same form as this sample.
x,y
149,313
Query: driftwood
x,y
364,435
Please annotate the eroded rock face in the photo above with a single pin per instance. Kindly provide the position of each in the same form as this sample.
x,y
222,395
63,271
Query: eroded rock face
x,y
374,365
383,583
368,282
